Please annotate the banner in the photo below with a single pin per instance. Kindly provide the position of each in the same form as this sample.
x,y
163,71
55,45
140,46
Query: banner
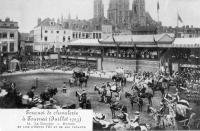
x,y
41,120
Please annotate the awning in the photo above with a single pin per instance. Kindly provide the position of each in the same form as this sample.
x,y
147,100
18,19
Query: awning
x,y
64,57
186,43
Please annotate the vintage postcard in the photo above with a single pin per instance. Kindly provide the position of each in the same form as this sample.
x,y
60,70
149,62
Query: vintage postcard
x,y
96,65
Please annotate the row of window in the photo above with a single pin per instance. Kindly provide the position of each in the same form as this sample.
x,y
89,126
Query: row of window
x,y
5,35
64,39
5,47
78,34
87,35
46,31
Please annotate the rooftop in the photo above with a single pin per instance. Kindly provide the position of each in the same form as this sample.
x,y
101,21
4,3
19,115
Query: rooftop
x,y
8,24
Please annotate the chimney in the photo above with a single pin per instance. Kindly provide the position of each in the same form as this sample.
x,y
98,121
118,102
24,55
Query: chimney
x,y
39,21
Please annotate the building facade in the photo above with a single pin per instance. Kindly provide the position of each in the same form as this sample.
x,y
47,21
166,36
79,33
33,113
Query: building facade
x,y
139,13
9,36
98,9
118,12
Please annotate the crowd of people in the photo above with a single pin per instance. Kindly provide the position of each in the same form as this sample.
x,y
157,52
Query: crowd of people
x,y
145,82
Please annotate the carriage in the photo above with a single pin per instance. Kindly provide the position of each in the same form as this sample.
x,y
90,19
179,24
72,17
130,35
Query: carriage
x,y
78,77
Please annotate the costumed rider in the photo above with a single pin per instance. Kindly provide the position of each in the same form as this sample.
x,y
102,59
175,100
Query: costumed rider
x,y
108,92
161,111
84,95
103,93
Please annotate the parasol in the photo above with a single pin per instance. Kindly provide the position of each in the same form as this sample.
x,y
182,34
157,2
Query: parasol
x,y
77,69
120,71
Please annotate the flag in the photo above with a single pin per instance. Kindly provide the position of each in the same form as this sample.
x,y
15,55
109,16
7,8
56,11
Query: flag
x,y
135,9
158,6
117,44
154,39
113,39
41,33
180,19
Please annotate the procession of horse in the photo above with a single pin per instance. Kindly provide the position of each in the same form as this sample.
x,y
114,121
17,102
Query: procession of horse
x,y
174,111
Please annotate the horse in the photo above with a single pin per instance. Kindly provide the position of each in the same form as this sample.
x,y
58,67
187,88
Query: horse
x,y
84,103
106,95
164,121
117,107
144,92
158,86
82,80
134,99
181,107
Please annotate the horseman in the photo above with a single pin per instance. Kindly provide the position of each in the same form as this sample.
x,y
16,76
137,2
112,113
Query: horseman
x,y
103,92
108,92
161,112
115,101
162,109
31,92
84,95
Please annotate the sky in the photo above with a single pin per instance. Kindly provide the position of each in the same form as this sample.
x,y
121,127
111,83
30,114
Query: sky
x,y
26,12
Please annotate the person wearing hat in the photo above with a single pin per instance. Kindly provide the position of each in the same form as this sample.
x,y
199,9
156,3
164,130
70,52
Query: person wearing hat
x,y
162,109
84,95
31,93
64,87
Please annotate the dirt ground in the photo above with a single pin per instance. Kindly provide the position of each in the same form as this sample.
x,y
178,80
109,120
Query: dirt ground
x,y
24,83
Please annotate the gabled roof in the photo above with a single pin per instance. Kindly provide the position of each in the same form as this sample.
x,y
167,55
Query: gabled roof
x,y
46,22
138,39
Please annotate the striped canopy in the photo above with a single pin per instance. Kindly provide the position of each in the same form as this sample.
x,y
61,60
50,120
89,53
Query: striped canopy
x,y
186,43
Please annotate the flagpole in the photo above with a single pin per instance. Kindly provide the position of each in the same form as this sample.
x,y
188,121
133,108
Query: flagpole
x,y
177,20
158,9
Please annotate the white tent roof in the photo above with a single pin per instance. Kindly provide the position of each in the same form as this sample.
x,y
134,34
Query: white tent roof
x,y
14,61
186,42
85,42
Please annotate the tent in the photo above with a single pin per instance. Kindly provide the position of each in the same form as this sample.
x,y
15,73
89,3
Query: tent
x,y
14,65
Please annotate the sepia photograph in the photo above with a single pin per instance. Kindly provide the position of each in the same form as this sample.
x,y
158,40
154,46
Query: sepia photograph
x,y
99,65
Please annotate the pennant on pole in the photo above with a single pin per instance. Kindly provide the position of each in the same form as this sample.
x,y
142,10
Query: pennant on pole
x,y
135,9
158,6
180,19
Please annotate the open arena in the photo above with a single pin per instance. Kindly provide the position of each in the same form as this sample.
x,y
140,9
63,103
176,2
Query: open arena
x,y
25,81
